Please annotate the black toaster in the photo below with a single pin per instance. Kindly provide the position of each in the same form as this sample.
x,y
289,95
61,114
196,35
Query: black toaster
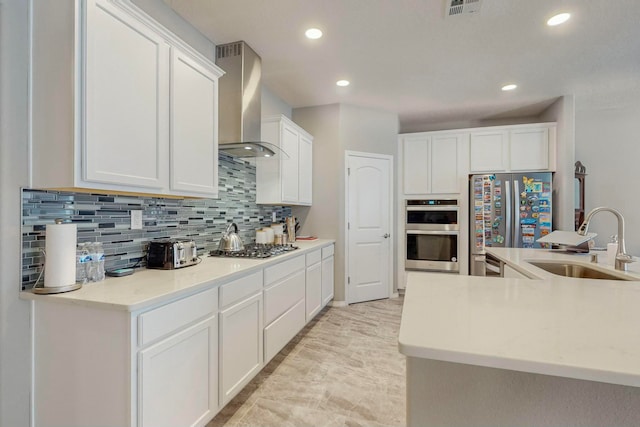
x,y
168,254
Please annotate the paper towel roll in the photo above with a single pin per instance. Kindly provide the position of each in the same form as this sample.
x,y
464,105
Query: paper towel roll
x,y
60,256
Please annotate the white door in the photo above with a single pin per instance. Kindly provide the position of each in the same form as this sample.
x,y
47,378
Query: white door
x,y
369,226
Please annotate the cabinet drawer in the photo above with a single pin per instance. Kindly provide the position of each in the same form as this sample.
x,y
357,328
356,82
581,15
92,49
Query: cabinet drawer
x,y
282,270
240,288
314,257
327,251
280,332
282,296
168,318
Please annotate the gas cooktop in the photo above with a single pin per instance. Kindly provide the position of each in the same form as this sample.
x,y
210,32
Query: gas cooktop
x,y
255,251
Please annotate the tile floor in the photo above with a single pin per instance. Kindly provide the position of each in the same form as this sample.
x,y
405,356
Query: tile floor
x,y
342,369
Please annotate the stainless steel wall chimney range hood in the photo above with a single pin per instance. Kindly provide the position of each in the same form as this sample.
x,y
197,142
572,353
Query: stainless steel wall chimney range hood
x,y
240,102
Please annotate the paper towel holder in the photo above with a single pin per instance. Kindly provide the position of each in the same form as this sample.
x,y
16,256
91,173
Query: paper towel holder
x,y
43,290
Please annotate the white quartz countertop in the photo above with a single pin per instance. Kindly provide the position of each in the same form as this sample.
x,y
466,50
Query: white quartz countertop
x,y
518,260
147,287
576,328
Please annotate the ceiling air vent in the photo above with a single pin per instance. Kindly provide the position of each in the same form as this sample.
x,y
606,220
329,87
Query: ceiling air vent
x,y
462,7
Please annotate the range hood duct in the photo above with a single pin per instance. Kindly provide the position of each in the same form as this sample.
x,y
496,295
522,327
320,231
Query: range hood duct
x,y
240,99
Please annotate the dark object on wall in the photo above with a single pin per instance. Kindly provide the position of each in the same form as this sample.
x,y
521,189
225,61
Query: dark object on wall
x,y
580,174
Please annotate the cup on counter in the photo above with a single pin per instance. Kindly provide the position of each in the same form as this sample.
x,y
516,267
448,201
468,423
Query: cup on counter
x,y
278,229
270,234
261,237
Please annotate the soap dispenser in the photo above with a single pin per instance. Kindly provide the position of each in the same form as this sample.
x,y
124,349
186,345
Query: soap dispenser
x,y
612,249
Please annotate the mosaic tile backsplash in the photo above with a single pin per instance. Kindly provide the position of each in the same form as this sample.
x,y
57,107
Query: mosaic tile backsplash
x,y
106,218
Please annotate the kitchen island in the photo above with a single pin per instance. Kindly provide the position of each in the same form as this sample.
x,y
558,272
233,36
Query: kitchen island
x,y
500,351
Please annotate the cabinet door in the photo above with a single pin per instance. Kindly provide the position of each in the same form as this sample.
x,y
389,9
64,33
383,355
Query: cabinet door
x,y
444,164
529,149
416,164
125,133
289,166
327,280
194,145
305,170
489,151
313,294
241,348
185,364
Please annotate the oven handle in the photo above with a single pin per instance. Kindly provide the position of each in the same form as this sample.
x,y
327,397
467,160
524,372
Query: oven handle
x,y
440,232
432,208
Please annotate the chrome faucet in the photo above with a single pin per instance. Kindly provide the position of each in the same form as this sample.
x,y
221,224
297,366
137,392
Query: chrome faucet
x,y
622,258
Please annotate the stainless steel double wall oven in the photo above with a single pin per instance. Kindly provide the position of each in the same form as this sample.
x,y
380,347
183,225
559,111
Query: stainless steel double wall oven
x,y
432,235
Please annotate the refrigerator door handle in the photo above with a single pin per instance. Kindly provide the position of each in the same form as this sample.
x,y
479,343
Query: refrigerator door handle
x,y
516,226
508,208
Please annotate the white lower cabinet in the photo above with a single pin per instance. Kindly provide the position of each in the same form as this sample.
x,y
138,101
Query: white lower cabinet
x,y
241,340
284,304
178,378
177,363
327,274
282,330
313,292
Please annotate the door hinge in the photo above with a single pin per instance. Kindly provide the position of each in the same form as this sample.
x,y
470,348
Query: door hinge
x,y
349,171
348,280
348,226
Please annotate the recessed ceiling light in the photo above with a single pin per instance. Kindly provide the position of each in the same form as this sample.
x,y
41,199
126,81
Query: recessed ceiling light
x,y
558,19
342,82
313,33
247,147
509,87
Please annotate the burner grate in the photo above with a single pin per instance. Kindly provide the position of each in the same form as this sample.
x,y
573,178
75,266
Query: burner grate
x,y
255,251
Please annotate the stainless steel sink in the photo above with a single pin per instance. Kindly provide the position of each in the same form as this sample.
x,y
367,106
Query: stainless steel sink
x,y
581,271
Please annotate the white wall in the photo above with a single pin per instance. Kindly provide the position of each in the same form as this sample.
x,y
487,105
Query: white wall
x,y
323,218
608,144
337,128
563,112
272,105
166,16
15,338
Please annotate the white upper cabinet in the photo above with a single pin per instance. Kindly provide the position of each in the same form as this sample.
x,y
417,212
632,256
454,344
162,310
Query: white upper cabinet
x,y
139,113
285,179
529,149
513,148
431,162
489,151
125,82
194,125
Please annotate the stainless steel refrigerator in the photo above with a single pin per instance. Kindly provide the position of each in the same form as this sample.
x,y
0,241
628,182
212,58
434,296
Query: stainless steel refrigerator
x,y
507,211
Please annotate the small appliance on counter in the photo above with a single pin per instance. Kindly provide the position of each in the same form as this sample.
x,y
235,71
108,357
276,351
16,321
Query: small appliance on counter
x,y
169,254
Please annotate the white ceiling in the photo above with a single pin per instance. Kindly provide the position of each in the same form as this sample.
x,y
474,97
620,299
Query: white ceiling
x,y
404,56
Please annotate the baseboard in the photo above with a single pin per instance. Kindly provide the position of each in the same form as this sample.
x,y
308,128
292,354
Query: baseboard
x,y
335,303
395,295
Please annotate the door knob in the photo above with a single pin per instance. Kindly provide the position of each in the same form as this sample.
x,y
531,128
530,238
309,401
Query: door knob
x,y
386,235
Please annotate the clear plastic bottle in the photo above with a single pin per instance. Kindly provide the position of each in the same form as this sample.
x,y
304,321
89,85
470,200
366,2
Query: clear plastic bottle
x,y
99,251
82,262
95,272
